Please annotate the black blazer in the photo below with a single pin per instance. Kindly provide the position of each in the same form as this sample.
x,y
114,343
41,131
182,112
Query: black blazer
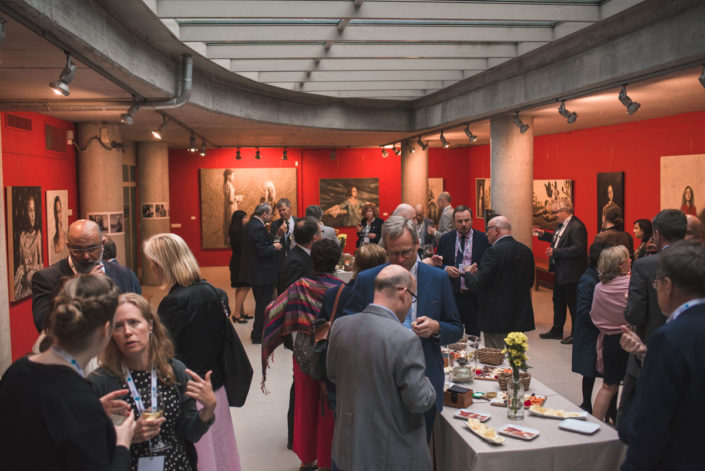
x,y
258,266
375,228
446,248
296,265
503,285
569,260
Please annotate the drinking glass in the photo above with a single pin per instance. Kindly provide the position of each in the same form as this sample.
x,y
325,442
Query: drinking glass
x,y
474,342
156,444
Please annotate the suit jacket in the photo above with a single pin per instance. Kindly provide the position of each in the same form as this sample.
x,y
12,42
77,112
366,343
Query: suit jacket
x,y
382,393
329,233
569,259
446,248
667,413
503,285
445,223
585,333
259,257
44,281
296,265
426,238
375,228
435,300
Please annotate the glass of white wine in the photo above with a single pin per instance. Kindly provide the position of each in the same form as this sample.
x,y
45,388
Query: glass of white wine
x,y
159,445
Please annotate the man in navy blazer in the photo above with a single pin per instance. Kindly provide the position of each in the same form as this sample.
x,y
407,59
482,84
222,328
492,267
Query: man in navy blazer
x,y
433,315
462,248
663,426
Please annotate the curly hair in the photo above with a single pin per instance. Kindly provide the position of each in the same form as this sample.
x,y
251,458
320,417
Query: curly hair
x,y
609,264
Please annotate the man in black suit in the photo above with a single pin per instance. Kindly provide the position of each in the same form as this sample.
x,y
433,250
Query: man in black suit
x,y
460,248
259,264
298,262
503,284
282,229
85,243
567,259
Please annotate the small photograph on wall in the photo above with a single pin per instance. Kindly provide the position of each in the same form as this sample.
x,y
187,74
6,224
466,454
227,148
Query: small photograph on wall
x,y
610,194
117,221
161,210
57,224
482,197
682,183
342,199
226,190
545,192
102,219
24,234
147,210
435,188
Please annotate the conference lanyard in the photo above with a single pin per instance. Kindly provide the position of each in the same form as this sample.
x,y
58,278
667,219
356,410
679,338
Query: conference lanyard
x,y
72,361
135,393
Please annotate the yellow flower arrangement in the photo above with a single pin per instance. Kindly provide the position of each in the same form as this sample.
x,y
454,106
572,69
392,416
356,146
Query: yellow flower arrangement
x,y
517,345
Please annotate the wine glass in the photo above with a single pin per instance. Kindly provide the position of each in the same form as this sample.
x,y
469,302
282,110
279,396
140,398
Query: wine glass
x,y
159,445
474,342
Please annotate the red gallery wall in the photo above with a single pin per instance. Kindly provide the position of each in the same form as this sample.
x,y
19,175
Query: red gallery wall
x,y
26,162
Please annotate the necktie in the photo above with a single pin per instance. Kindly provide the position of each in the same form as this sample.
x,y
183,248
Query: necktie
x,y
461,253
555,234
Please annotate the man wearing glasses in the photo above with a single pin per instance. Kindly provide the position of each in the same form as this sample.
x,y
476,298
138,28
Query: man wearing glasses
x,y
85,243
567,258
433,315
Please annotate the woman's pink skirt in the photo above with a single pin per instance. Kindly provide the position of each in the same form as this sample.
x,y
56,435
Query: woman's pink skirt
x,y
217,449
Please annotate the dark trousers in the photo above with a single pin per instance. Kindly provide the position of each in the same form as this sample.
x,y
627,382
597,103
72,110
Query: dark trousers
x,y
430,417
563,296
290,417
263,295
466,303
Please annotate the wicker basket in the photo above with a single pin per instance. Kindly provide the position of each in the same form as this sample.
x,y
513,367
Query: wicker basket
x,y
490,356
504,378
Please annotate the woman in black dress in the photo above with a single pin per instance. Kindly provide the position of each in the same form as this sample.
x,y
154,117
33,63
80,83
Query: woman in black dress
x,y
370,229
237,226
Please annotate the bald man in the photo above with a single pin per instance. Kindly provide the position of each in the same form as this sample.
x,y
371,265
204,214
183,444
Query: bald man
x,y
422,224
85,244
695,229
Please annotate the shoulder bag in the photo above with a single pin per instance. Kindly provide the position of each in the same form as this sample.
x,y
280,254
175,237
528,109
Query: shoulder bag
x,y
321,330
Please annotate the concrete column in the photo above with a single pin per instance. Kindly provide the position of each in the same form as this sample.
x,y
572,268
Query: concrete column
x,y
153,187
5,338
512,173
100,175
414,175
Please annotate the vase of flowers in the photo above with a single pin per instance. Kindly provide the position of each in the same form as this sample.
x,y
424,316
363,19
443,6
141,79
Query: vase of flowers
x,y
516,346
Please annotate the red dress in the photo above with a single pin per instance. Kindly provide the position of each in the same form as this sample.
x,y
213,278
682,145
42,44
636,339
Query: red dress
x,y
686,209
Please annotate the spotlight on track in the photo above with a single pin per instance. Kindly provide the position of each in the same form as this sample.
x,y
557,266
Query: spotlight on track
x,y
469,134
521,125
129,117
202,152
384,152
61,86
444,141
411,147
192,144
397,151
632,106
421,144
284,155
238,156
258,156
159,132
571,117
332,153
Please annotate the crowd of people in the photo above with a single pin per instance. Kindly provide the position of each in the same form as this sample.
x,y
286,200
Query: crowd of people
x,y
115,385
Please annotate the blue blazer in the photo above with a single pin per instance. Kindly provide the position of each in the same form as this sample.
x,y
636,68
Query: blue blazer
x,y
446,248
435,300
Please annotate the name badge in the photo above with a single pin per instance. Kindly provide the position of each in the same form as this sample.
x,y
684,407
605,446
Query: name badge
x,y
150,463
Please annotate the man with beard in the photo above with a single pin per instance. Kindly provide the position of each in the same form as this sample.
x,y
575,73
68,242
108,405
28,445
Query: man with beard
x,y
85,243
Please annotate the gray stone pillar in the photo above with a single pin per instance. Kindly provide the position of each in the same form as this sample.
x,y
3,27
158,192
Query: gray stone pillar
x,y
5,337
414,175
100,175
512,173
153,187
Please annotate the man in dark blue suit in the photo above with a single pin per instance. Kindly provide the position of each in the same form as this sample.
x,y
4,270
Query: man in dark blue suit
x,y
433,315
664,423
462,248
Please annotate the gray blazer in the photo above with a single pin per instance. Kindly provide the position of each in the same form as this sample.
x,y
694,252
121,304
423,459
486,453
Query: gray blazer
x,y
446,223
382,393
329,233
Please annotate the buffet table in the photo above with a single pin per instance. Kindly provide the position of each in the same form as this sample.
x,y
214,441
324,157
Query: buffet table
x,y
457,448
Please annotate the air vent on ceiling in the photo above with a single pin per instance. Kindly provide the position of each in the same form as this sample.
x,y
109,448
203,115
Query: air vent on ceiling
x,y
18,122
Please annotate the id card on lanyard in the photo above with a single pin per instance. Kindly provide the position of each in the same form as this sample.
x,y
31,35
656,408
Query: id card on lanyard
x,y
137,397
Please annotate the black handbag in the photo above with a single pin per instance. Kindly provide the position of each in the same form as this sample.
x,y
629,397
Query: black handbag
x,y
237,370
321,330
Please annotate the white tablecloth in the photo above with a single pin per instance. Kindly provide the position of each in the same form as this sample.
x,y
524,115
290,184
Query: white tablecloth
x,y
346,276
554,449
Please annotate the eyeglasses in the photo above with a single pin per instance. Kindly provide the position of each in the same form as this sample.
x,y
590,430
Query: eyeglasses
x,y
79,250
490,227
401,288
557,211
400,253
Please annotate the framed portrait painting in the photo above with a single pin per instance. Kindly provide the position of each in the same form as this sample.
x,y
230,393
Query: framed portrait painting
x,y
482,197
682,183
57,224
342,199
435,188
24,237
610,194
545,192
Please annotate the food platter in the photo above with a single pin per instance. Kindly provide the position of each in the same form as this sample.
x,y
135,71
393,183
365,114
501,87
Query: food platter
x,y
559,414
489,373
529,400
486,433
518,431
472,414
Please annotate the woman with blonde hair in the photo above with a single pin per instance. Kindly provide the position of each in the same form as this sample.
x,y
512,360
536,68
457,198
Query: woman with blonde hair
x,y
193,313
138,353
607,313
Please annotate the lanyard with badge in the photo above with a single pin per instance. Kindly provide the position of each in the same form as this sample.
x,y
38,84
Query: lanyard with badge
x,y
70,359
152,462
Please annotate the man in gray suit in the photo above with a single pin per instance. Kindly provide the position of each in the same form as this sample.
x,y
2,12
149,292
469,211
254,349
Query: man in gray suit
x,y
446,223
379,369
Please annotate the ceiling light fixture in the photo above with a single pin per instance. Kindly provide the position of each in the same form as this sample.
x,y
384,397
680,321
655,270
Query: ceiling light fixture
x,y
384,152
202,153
192,143
522,127
632,106
421,144
237,154
332,153
284,155
258,156
571,117
159,132
129,117
444,141
701,79
397,151
61,86
469,134
411,147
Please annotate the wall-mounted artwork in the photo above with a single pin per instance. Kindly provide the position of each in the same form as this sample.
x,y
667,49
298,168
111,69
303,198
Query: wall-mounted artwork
x,y
155,210
225,190
24,236
57,224
610,194
342,198
102,219
545,192
117,221
682,183
435,188
482,197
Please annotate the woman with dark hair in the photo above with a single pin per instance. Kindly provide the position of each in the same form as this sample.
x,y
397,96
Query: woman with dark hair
x,y
138,353
642,231
293,312
688,201
242,287
612,233
370,229
52,419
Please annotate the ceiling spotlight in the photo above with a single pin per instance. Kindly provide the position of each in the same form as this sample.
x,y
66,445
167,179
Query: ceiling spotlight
x,y
202,152
411,147
468,132
701,79
632,106
61,86
129,117
332,153
159,132
522,127
2,29
444,141
397,151
238,156
258,156
192,144
284,156
568,115
384,152
421,144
